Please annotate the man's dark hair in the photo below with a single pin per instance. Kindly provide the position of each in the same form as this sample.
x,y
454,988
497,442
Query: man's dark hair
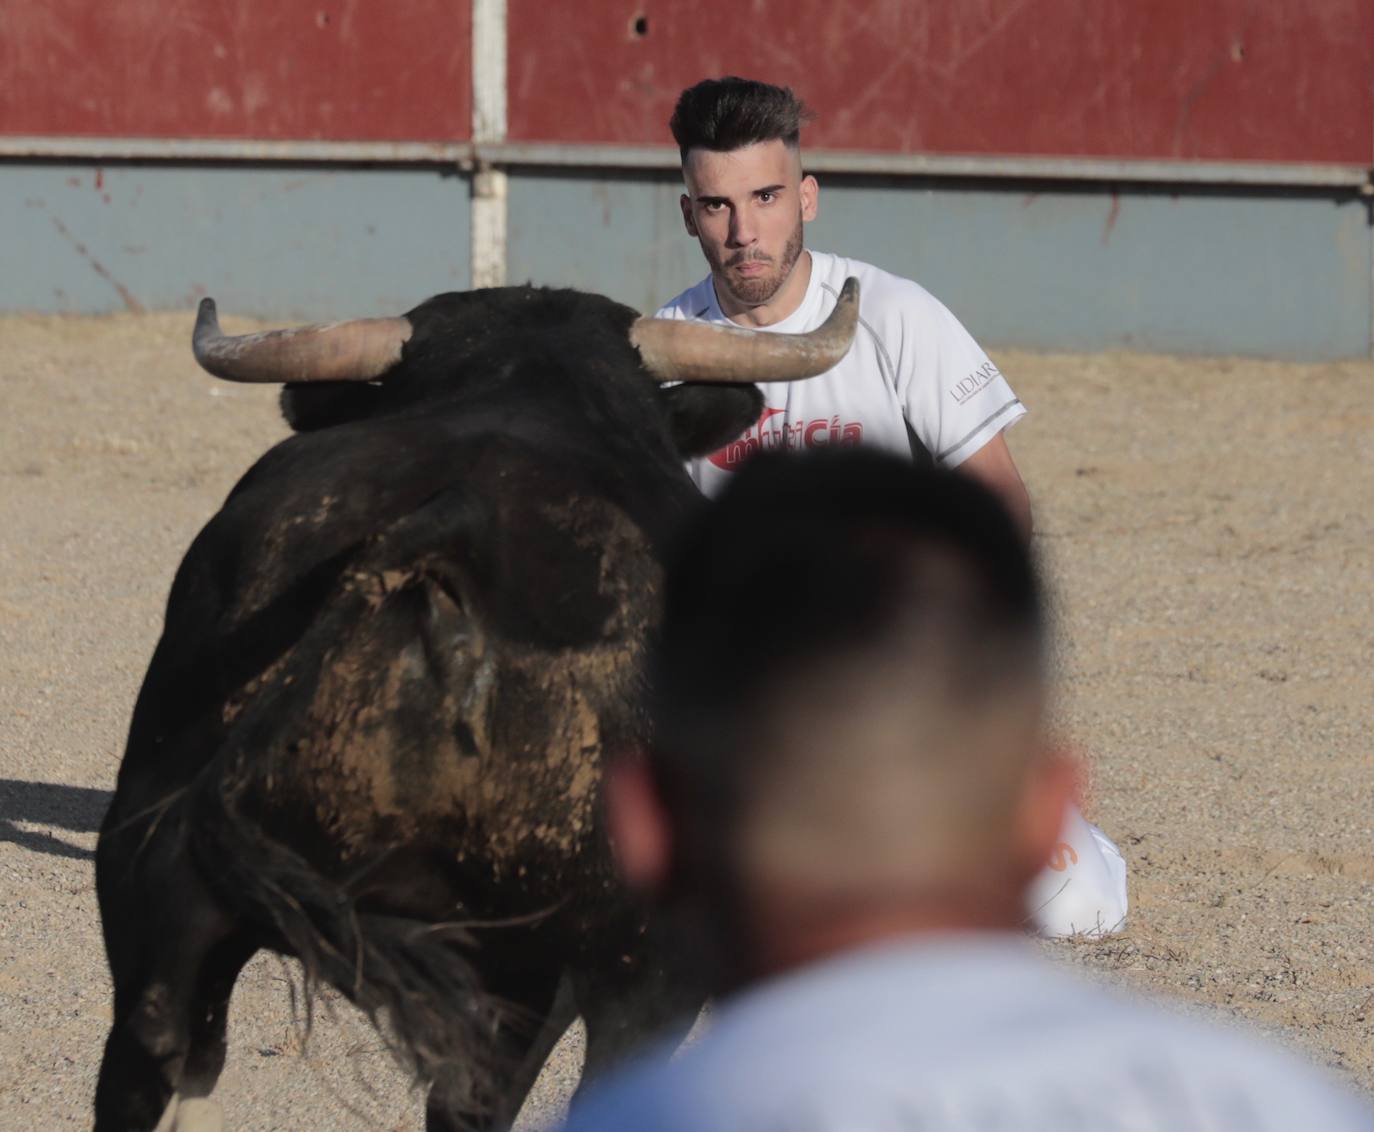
x,y
731,113
808,558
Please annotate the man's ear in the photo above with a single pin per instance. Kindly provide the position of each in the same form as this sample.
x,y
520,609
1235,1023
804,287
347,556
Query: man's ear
x,y
810,198
1051,788
641,835
685,203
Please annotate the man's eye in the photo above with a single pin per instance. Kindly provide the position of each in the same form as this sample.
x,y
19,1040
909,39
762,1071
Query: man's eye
x,y
713,206
767,198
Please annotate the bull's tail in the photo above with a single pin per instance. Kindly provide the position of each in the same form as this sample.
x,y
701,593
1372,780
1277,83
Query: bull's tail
x,y
411,977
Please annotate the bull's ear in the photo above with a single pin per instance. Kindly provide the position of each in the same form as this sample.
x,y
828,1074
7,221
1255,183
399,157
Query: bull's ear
x,y
706,417
307,407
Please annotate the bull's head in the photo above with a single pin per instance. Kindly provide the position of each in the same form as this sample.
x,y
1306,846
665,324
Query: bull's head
x,y
312,360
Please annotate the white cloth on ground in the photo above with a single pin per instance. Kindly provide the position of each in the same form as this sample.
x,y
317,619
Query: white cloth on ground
x,y
1082,891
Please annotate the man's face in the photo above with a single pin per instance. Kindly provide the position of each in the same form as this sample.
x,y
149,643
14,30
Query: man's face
x,y
746,208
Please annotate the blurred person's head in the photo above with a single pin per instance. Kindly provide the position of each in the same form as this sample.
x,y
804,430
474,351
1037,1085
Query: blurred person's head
x,y
849,692
747,196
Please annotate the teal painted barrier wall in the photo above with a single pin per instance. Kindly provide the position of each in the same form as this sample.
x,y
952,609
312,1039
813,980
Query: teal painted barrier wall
x,y
1204,271
1283,274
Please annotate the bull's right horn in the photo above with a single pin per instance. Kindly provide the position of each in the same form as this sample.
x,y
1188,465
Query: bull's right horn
x,y
362,349
673,350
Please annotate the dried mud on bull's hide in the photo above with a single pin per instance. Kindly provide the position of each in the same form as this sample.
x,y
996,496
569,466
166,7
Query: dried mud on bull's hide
x,y
278,549
428,725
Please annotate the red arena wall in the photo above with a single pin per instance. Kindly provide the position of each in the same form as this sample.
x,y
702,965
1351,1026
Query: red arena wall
x,y
1284,81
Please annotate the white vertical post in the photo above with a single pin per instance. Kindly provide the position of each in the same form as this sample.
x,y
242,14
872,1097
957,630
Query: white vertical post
x,y
488,126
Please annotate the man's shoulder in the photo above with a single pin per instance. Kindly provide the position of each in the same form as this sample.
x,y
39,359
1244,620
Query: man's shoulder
x,y
883,295
695,302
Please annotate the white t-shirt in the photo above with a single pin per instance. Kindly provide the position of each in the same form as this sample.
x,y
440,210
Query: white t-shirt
x,y
962,1033
912,362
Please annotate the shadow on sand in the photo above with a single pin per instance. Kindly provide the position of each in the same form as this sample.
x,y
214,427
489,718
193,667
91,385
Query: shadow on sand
x,y
76,808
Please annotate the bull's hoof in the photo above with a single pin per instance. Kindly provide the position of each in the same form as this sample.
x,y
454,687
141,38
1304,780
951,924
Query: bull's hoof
x,y
195,1114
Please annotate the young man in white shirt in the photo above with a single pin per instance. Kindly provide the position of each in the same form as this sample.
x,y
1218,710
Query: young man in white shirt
x,y
912,364
848,790
914,381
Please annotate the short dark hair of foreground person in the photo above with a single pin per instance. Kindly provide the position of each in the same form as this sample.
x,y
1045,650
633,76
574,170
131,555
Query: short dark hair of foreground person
x,y
813,584
849,790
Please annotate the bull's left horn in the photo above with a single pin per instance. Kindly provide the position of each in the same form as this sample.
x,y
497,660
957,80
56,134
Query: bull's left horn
x,y
673,350
359,350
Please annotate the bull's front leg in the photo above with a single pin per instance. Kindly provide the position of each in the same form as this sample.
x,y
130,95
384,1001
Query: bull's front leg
x,y
174,954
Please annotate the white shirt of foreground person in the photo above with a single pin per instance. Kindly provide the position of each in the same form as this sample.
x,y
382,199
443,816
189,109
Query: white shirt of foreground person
x,y
962,1033
912,365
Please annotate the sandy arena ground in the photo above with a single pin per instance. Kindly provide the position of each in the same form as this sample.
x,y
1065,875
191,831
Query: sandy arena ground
x,y
1207,527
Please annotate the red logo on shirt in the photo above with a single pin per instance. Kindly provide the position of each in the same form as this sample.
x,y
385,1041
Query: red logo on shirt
x,y
804,434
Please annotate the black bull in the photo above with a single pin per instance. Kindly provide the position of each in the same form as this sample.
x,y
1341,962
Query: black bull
x,y
373,730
